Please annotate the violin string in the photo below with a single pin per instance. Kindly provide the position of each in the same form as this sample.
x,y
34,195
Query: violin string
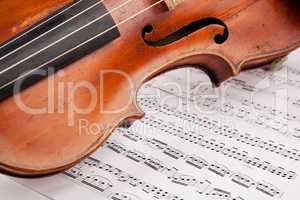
x,y
40,36
65,37
39,25
91,39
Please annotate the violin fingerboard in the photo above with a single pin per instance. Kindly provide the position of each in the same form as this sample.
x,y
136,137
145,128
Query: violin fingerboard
x,y
59,40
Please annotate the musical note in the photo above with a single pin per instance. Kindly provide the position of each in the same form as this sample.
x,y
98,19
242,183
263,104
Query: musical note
x,y
132,136
124,176
225,131
154,164
135,182
91,161
227,108
149,188
124,196
156,144
263,165
268,189
219,194
296,102
252,161
174,153
183,179
242,113
219,169
135,155
237,198
116,147
169,172
271,163
73,172
243,180
98,182
197,162
231,152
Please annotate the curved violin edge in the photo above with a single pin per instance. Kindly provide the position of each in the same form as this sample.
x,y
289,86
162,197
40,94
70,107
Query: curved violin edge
x,y
264,59
28,150
215,65
134,113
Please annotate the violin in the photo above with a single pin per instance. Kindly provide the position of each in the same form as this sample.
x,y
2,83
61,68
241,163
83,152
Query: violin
x,y
66,64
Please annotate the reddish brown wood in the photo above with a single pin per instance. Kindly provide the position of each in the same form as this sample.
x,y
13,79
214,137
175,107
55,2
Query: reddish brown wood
x,y
34,145
16,16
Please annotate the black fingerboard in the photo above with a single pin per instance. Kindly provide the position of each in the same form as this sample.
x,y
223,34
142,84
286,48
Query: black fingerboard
x,y
62,38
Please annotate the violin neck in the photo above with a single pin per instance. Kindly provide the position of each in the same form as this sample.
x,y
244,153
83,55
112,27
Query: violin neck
x,y
64,37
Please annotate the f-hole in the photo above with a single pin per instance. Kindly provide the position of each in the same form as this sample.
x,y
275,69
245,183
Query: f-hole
x,y
187,30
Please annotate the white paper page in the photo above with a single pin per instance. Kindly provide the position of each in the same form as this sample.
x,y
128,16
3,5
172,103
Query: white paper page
x,y
10,190
239,141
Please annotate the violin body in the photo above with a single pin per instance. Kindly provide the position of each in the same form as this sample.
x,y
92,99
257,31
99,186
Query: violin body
x,y
220,37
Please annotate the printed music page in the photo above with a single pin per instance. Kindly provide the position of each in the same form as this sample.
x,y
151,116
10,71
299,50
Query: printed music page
x,y
237,142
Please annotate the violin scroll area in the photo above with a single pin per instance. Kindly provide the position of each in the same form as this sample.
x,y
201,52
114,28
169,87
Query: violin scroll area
x,y
186,31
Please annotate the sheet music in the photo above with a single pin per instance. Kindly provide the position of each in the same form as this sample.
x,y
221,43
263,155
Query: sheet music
x,y
237,142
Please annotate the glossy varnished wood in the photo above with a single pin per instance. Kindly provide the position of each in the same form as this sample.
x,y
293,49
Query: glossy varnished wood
x,y
16,16
34,145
